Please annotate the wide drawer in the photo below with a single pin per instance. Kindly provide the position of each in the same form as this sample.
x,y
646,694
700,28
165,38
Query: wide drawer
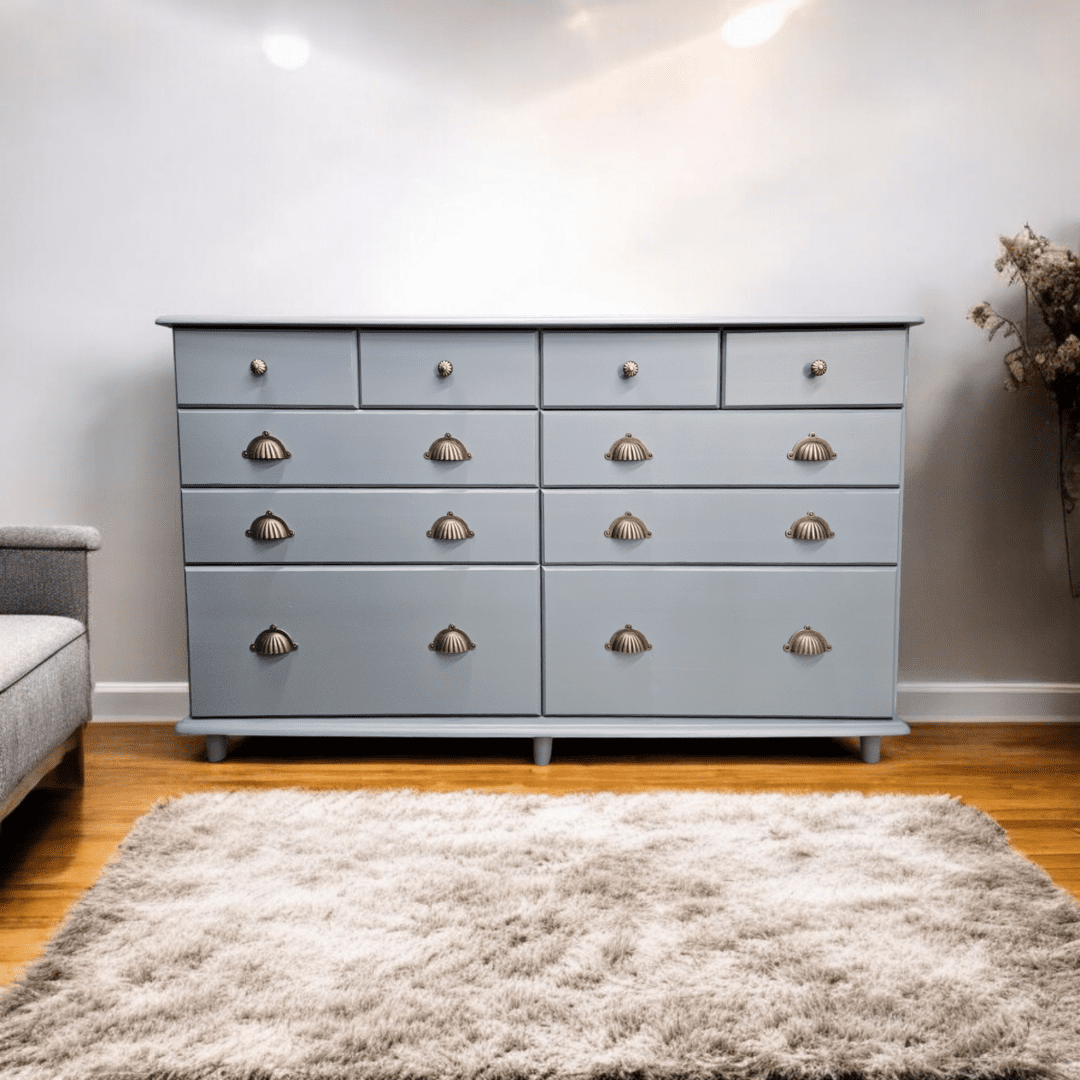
x,y
312,368
718,638
358,448
363,636
723,448
585,369
371,526
488,368
773,368
744,526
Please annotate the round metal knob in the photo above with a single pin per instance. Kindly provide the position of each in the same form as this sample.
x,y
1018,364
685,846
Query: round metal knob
x,y
818,367
627,527
627,640
266,447
629,369
451,640
269,527
445,369
628,449
807,642
447,449
273,642
258,367
449,527
812,448
810,527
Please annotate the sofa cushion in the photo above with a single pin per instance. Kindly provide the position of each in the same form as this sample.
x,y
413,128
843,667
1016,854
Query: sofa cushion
x,y
29,640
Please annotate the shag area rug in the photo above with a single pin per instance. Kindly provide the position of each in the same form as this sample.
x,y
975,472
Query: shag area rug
x,y
672,936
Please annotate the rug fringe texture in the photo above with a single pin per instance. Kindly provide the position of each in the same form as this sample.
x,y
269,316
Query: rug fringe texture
x,y
292,935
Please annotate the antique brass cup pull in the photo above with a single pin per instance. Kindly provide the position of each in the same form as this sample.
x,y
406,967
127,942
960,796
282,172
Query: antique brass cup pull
x,y
447,449
269,527
273,642
451,640
628,449
627,640
449,527
812,448
258,367
807,642
629,369
818,368
266,447
627,527
810,527
445,369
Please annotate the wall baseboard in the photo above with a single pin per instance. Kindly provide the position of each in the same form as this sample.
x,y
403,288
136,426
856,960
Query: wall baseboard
x,y
922,702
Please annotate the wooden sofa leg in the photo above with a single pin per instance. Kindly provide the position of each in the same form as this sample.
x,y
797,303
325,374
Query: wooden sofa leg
x,y
71,772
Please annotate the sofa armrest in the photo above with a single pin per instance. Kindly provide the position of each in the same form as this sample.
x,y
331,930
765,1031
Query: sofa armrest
x,y
43,569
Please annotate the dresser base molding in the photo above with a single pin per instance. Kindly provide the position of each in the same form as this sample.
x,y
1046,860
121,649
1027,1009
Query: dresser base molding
x,y
869,731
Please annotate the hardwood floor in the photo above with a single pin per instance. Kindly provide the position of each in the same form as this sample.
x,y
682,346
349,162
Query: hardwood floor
x,y
52,848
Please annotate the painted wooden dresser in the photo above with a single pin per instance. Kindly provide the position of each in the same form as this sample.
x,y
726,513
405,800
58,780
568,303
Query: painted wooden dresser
x,y
594,528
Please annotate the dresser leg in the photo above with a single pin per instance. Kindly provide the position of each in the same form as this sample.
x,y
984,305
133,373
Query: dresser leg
x,y
542,750
216,747
870,745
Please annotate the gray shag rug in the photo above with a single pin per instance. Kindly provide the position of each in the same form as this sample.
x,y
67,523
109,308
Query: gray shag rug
x,y
404,936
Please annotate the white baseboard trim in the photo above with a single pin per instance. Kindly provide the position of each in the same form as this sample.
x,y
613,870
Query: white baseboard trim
x,y
140,701
1017,702
922,702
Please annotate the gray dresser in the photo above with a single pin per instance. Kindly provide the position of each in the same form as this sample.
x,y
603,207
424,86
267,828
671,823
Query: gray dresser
x,y
541,529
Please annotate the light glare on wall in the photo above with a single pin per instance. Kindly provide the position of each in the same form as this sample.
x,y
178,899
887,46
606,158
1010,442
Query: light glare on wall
x,y
288,51
757,23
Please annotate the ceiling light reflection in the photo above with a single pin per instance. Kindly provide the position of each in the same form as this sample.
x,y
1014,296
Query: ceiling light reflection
x,y
757,23
288,51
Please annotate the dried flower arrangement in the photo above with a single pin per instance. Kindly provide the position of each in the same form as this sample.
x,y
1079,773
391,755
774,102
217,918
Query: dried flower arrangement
x,y
1047,351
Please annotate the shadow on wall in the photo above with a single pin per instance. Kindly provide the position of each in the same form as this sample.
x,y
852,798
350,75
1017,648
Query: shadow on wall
x,y
137,621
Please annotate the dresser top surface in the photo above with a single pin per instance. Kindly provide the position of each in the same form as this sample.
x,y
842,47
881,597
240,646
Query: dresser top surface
x,y
584,322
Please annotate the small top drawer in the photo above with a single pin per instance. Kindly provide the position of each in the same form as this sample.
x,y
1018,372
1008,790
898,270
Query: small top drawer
x,y
299,368
592,369
775,367
449,369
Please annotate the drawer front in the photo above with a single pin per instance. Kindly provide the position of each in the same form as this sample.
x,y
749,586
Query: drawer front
x,y
585,369
717,639
732,526
773,368
363,636
312,368
494,369
722,448
361,526
358,448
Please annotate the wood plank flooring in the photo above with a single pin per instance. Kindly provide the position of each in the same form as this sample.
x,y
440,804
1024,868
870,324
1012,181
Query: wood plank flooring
x,y
52,848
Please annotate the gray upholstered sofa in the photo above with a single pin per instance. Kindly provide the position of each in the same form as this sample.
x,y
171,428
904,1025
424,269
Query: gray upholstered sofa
x,y
44,655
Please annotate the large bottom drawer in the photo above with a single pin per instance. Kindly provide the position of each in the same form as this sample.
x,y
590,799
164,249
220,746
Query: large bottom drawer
x,y
362,635
717,638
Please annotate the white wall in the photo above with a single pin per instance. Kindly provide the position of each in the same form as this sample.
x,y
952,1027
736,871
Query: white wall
x,y
440,157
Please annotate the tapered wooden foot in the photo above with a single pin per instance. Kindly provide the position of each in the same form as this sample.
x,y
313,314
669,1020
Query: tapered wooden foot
x,y
870,745
542,750
216,747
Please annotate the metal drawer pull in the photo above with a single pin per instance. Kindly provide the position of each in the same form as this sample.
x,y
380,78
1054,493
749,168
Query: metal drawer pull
x,y
628,449
807,642
629,369
266,447
810,527
451,640
258,367
627,640
449,527
269,527
273,642
445,369
447,449
627,527
812,448
818,368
